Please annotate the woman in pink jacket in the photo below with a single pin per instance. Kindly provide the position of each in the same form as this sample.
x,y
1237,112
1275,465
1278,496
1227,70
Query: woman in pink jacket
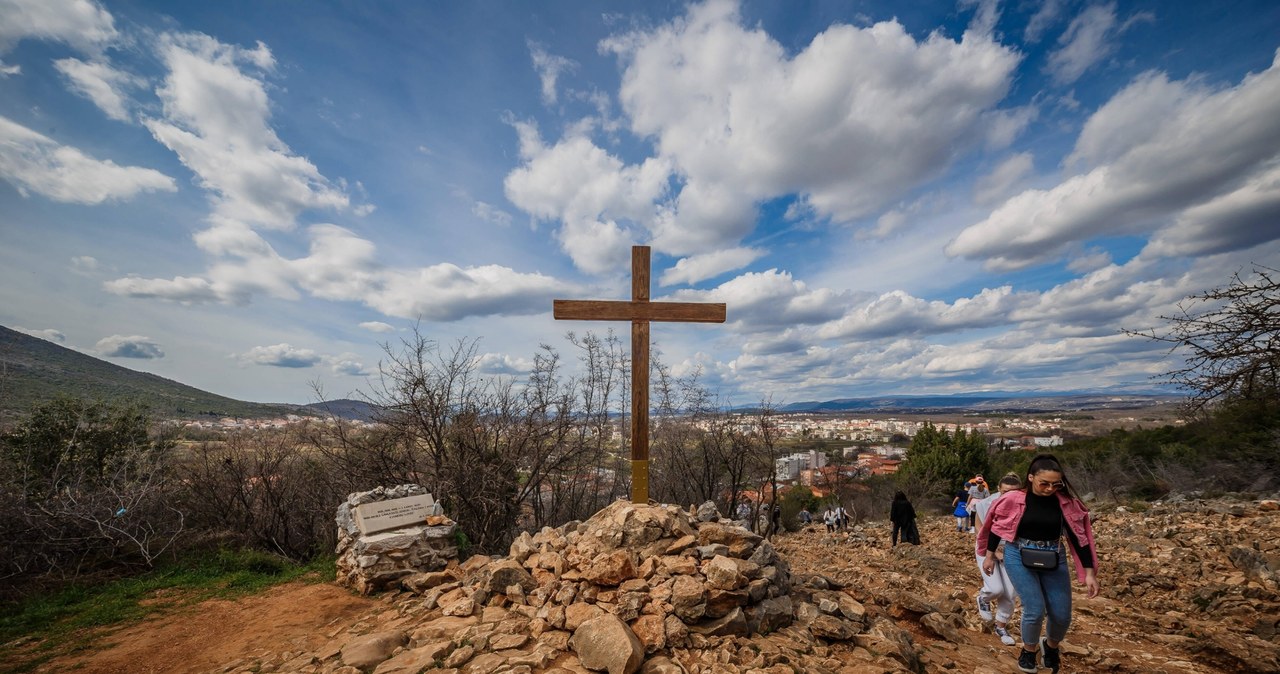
x,y
1031,523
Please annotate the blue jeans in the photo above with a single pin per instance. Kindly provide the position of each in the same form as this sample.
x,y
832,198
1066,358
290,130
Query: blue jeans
x,y
1043,593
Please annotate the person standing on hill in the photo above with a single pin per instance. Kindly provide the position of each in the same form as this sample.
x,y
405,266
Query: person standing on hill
x,y
996,589
961,508
903,517
1031,523
829,519
977,492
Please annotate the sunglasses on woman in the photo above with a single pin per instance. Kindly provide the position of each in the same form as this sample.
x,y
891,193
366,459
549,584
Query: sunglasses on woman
x,y
1045,484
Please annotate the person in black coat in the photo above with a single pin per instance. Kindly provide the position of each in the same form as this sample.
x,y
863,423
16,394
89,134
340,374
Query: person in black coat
x,y
903,517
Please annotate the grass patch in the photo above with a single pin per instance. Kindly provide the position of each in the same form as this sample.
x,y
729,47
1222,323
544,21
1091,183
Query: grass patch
x,y
44,627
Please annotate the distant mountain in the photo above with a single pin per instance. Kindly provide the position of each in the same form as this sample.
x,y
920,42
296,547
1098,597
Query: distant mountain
x,y
345,408
35,370
1024,403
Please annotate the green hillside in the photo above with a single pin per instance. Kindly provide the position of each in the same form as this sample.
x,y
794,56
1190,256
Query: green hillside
x,y
33,370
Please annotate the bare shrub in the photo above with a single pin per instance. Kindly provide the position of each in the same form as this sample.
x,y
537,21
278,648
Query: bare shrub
x,y
265,489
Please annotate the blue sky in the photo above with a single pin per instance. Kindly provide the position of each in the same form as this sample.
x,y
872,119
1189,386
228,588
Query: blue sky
x,y
891,198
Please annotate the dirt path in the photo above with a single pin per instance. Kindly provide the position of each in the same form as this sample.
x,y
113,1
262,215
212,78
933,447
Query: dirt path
x,y
295,616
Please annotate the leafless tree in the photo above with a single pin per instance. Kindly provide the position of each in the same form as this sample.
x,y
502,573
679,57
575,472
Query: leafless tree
x,y
1230,337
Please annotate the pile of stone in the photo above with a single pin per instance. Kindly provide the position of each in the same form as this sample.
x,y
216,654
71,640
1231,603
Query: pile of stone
x,y
388,533
647,588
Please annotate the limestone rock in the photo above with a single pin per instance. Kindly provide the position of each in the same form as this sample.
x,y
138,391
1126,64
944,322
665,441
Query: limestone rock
x,y
607,644
366,652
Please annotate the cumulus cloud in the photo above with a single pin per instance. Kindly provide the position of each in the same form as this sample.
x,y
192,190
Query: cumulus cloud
x,y
1223,142
280,355
36,163
346,365
446,292
592,193
377,326
217,120
897,313
503,364
83,24
48,334
849,124
767,300
549,67
101,83
134,346
701,267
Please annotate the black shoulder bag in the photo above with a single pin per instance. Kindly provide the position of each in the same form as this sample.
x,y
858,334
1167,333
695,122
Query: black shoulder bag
x,y
1035,558
1038,558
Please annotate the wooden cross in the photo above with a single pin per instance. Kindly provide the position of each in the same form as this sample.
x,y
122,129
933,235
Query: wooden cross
x,y
639,311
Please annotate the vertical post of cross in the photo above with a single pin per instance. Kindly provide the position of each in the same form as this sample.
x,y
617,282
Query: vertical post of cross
x,y
639,384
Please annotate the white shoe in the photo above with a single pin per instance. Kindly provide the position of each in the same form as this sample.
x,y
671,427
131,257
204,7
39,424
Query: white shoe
x,y
1005,637
984,609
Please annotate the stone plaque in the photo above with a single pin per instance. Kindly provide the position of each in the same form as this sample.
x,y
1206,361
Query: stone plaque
x,y
394,513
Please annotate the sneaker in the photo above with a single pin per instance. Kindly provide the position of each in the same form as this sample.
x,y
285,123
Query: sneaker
x,y
1005,638
984,609
1027,661
1050,656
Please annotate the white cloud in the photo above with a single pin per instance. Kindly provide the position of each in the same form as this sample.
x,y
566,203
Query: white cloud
x,y
702,267
898,314
1089,39
100,83
134,346
549,67
36,163
183,289
281,355
446,292
1241,218
985,18
591,192
850,123
6,71
490,213
48,334
80,23
997,185
347,365
216,119
1045,16
84,264
377,326
767,300
1224,144
503,364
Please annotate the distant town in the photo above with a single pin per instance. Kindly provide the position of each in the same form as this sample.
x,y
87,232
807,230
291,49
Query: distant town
x,y
877,445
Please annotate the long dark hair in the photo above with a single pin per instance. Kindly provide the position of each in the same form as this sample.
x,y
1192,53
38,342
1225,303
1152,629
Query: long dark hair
x,y
899,496
1042,462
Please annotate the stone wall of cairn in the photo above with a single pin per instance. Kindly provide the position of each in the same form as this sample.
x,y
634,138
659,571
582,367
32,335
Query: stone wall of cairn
x,y
368,563
668,576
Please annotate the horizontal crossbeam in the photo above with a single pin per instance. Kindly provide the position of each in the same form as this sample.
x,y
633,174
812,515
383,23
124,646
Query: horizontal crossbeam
x,y
606,310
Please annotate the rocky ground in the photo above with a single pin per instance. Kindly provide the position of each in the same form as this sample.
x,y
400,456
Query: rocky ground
x,y
1187,587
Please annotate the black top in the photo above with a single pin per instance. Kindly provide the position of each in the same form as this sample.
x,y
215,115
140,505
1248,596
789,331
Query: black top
x,y
901,512
1042,521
